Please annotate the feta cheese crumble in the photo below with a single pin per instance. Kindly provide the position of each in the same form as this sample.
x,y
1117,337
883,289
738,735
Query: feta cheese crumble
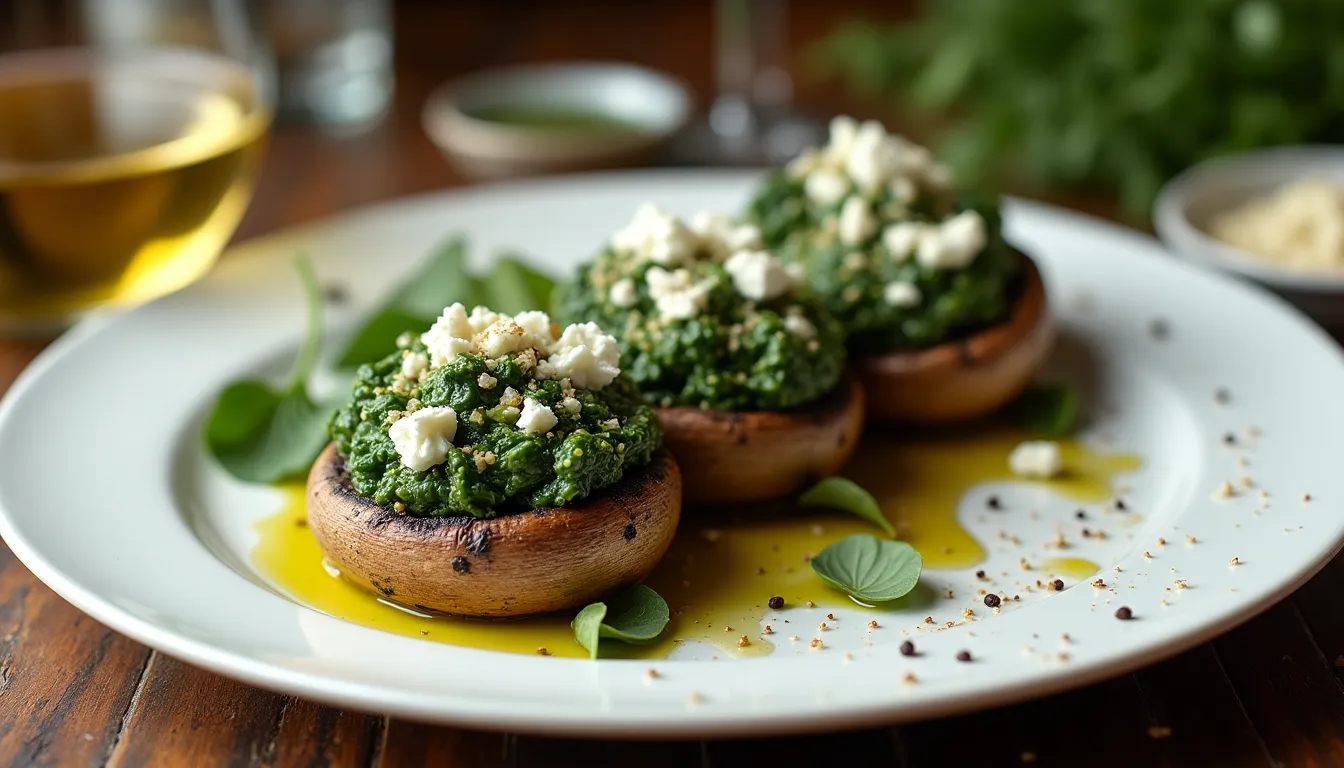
x,y
414,365
826,187
535,418
483,332
423,437
902,238
721,236
656,235
582,353
675,294
857,222
622,293
954,243
799,326
1036,458
902,295
758,275
870,157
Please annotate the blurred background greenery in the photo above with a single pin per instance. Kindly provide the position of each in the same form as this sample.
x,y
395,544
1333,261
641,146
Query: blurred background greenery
x,y
1108,97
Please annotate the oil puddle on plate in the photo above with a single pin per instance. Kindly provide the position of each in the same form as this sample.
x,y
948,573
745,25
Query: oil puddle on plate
x,y
723,567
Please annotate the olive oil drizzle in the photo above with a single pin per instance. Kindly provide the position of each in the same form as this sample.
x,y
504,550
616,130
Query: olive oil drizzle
x,y
724,567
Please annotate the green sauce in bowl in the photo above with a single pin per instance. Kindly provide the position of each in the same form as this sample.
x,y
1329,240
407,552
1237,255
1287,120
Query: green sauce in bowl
x,y
558,119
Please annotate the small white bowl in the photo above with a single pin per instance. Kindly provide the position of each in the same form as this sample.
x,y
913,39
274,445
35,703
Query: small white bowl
x,y
1186,204
654,105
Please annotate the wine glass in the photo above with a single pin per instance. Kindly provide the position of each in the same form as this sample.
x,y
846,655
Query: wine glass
x,y
130,136
752,120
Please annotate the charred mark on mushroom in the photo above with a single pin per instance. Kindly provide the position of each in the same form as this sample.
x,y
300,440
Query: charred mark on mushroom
x,y
478,540
630,532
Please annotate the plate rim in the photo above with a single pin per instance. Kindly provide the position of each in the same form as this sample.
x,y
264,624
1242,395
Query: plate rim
x,y
316,686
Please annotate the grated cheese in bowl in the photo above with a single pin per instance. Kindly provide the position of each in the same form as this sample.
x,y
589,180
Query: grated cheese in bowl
x,y
1299,225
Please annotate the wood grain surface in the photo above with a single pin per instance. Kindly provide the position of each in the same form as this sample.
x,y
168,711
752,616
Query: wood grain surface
x,y
74,693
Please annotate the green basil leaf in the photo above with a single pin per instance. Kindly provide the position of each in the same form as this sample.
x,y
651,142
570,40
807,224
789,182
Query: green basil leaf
x,y
636,616
414,305
587,627
1047,410
443,280
263,435
869,569
514,287
377,338
260,436
846,495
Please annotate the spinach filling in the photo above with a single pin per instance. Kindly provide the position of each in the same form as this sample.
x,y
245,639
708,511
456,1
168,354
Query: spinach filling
x,y
493,468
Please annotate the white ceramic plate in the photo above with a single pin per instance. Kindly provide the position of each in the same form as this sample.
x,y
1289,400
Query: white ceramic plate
x,y
105,493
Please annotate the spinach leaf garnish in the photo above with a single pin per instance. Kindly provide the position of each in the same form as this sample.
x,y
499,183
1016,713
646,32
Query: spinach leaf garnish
x,y
260,434
1048,410
510,287
414,305
869,569
514,287
636,616
846,495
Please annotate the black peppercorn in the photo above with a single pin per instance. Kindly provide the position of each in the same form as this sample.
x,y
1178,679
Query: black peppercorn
x,y
993,502
979,574
1123,613
907,648
1058,584
992,600
963,655
776,603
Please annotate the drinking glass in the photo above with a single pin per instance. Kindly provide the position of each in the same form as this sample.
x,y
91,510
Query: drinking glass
x,y
130,136
333,60
752,120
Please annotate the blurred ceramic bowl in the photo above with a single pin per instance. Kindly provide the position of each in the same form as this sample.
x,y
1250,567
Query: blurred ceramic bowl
x,y
554,117
1188,203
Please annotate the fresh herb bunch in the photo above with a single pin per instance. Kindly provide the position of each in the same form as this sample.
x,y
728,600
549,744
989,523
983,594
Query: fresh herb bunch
x,y
1117,96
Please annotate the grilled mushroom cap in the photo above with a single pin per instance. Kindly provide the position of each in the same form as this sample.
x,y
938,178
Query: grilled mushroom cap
x,y
968,377
532,562
746,456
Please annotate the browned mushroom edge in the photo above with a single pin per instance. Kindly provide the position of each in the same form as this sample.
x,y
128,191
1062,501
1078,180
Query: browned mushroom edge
x,y
536,561
968,377
748,456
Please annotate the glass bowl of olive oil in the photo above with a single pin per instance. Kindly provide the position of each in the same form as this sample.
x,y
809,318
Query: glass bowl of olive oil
x,y
555,117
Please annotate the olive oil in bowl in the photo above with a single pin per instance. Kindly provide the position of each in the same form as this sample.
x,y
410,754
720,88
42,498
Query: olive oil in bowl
x,y
121,177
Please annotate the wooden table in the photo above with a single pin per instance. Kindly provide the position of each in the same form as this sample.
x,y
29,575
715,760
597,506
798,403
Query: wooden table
x,y
73,692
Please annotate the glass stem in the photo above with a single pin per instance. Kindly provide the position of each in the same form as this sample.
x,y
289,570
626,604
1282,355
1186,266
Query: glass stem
x,y
732,116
